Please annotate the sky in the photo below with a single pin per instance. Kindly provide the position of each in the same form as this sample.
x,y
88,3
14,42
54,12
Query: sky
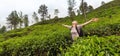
x,y
29,6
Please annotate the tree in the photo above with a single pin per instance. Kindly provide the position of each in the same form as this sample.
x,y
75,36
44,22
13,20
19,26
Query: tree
x,y
90,8
56,13
43,11
84,8
26,21
71,5
35,17
78,12
73,14
13,19
20,19
102,3
3,29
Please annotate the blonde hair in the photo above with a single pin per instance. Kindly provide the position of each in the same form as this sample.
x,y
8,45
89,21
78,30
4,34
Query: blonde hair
x,y
74,22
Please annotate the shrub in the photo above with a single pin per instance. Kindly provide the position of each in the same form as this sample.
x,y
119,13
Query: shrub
x,y
95,46
40,42
106,30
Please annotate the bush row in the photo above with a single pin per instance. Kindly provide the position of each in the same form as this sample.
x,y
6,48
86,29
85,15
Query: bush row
x,y
39,42
105,30
95,46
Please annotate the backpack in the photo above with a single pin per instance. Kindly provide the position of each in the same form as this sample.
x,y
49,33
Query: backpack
x,y
79,31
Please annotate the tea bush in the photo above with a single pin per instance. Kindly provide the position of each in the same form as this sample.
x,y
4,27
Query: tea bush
x,y
49,38
106,30
95,46
39,42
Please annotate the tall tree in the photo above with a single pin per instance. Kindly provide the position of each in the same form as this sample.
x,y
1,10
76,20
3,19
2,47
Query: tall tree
x,y
35,17
20,19
3,29
26,21
90,8
56,13
43,11
71,5
13,19
84,7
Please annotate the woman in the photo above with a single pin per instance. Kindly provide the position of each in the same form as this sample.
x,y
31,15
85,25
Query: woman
x,y
75,28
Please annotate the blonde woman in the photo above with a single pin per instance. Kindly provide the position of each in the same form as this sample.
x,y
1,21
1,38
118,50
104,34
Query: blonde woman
x,y
76,28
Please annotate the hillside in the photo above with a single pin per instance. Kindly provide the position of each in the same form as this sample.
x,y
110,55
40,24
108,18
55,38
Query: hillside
x,y
50,38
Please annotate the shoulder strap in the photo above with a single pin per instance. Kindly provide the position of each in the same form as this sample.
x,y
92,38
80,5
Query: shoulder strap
x,y
78,30
71,27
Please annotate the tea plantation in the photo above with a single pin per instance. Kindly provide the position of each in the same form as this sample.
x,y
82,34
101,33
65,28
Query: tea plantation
x,y
50,38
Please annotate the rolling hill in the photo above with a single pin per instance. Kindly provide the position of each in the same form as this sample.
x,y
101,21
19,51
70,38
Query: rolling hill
x,y
50,38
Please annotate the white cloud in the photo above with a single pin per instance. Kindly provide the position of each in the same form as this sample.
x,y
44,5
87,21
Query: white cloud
x,y
29,6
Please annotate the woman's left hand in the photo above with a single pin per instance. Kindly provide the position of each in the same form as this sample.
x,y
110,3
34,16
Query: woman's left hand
x,y
95,19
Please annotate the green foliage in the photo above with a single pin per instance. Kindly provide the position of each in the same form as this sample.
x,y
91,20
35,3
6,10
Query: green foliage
x,y
90,8
2,38
95,46
49,38
13,19
56,12
3,30
17,33
43,11
26,20
45,41
71,12
35,17
20,19
106,30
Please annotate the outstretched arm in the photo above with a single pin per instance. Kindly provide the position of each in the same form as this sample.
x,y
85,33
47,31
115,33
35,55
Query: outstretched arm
x,y
66,26
92,20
